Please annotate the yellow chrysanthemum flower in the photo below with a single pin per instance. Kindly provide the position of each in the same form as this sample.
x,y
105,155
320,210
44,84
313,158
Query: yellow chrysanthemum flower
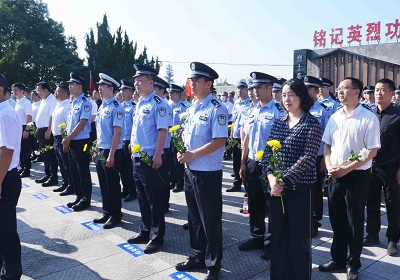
x,y
62,125
259,155
229,126
174,128
85,147
274,144
136,148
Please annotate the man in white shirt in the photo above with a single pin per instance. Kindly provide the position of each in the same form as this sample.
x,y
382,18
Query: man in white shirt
x,y
10,187
35,107
23,108
44,135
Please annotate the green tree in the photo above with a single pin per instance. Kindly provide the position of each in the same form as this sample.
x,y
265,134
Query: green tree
x,y
33,46
169,77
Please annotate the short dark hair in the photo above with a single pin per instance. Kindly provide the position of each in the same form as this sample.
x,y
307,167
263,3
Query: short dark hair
x,y
389,82
160,88
19,85
64,89
35,93
44,85
356,83
301,90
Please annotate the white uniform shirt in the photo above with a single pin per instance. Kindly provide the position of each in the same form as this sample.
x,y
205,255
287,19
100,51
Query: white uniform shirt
x,y
352,133
59,116
23,109
35,108
94,108
10,132
45,111
229,106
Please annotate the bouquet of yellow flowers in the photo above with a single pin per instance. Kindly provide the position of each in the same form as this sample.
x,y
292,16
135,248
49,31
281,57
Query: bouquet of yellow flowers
x,y
177,140
276,164
62,127
144,156
94,152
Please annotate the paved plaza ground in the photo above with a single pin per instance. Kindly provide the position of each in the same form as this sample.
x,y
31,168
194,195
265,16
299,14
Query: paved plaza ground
x,y
56,245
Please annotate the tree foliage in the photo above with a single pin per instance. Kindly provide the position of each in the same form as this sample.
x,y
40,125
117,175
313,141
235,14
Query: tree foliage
x,y
33,46
169,77
114,54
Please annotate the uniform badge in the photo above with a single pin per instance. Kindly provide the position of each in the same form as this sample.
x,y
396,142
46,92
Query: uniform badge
x,y
221,119
306,79
87,108
193,66
107,111
162,111
203,118
146,111
254,76
119,115
268,117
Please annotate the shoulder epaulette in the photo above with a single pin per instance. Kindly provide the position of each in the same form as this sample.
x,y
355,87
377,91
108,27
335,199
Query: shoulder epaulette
x,y
157,99
116,104
83,98
339,107
183,104
366,106
279,107
215,103
323,105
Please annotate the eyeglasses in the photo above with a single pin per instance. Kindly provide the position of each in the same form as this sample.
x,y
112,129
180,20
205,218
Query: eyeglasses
x,y
343,88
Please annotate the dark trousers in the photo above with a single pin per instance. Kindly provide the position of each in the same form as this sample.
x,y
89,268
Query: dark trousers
x,y
10,245
79,167
93,132
109,183
257,199
386,180
49,158
169,164
63,162
291,234
151,197
177,174
25,155
346,201
203,192
237,155
318,206
126,170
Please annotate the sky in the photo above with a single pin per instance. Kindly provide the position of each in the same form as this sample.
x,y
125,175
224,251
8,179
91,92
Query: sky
x,y
234,37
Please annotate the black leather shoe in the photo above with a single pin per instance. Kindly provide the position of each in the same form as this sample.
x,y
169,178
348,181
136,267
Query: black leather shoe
x,y
140,238
266,252
71,204
352,273
50,182
252,244
211,275
25,174
370,241
234,188
102,220
67,192
130,197
81,206
189,265
60,189
185,226
331,266
152,246
392,248
42,180
111,223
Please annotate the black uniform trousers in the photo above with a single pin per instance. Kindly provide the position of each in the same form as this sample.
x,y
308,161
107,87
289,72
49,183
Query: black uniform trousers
x,y
291,234
169,164
318,206
150,184
79,167
109,183
203,192
126,170
257,198
346,201
177,174
10,245
25,155
49,158
237,156
384,179
63,162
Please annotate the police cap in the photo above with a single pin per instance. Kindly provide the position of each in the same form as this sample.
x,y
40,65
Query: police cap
x,y
74,78
175,88
126,84
311,81
260,78
326,82
144,70
107,80
201,70
160,83
369,89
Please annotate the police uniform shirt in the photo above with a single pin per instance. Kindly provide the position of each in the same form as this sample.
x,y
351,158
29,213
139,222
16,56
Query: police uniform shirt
x,y
170,124
177,109
110,114
245,113
320,112
372,106
331,105
60,115
345,133
23,107
45,111
206,121
150,116
10,132
258,126
237,115
81,110
129,108
35,108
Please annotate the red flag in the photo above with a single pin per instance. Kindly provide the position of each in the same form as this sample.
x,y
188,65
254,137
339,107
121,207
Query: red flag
x,y
188,89
91,83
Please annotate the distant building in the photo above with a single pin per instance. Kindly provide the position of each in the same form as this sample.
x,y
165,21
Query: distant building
x,y
369,63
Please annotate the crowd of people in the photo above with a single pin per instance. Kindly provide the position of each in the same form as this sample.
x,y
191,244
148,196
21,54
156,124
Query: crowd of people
x,y
291,141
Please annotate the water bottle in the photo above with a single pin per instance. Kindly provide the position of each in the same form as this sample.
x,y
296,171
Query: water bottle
x,y
245,205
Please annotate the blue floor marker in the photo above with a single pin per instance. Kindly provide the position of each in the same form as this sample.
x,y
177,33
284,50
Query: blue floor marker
x,y
63,209
92,226
131,249
24,186
40,196
181,275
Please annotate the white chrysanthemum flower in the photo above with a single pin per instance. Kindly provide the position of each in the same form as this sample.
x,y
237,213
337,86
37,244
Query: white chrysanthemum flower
x,y
183,116
363,154
37,153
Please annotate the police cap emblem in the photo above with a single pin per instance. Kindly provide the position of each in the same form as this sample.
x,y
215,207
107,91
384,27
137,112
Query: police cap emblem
x,y
193,66
254,76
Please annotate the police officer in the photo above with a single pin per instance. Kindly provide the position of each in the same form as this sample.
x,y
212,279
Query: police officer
x,y
10,187
149,131
78,130
277,90
206,130
326,96
241,89
177,107
126,169
318,110
256,132
109,125
369,97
